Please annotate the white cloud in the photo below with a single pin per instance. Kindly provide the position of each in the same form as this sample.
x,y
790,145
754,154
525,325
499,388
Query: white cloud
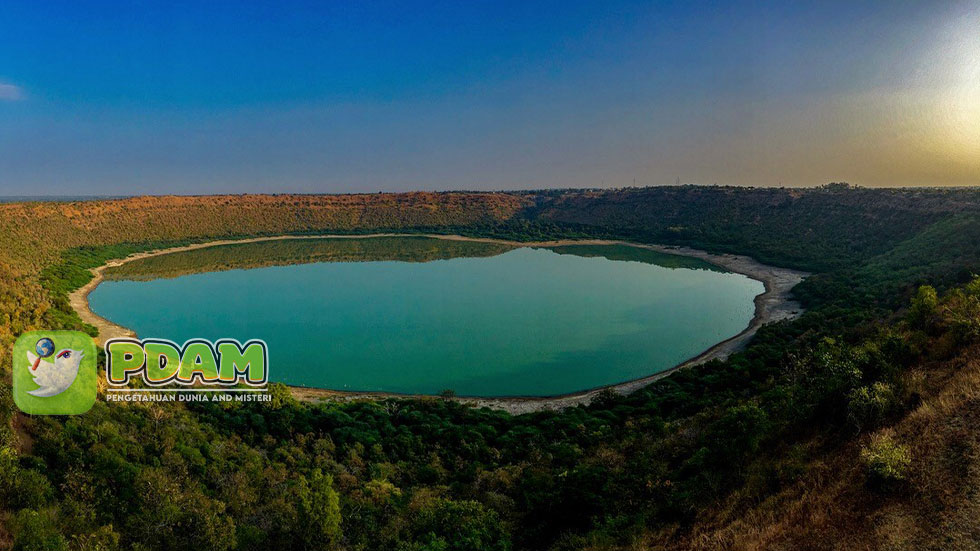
x,y
9,92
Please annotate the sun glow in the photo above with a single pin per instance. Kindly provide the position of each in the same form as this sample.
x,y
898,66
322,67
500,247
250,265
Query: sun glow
x,y
961,103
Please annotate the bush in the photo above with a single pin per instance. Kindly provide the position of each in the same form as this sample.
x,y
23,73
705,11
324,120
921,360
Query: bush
x,y
37,531
961,313
21,488
868,406
886,460
103,539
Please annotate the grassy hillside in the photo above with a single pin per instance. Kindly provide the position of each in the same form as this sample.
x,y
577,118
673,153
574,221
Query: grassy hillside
x,y
852,425
833,498
33,234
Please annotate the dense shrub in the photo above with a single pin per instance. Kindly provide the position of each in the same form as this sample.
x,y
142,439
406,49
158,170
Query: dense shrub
x,y
37,531
886,460
869,406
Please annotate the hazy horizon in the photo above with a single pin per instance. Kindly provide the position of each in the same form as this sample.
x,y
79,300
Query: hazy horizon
x,y
100,99
97,197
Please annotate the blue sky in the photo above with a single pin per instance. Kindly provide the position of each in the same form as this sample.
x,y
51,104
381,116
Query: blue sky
x,y
214,97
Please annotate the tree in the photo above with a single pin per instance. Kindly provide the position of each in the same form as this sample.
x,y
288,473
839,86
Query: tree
x,y
37,531
320,512
458,526
924,306
737,433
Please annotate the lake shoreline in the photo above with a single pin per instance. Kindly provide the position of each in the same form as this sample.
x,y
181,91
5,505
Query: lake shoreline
x,y
774,304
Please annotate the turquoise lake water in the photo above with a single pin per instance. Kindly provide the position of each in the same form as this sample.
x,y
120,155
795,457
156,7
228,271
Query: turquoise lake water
x,y
480,320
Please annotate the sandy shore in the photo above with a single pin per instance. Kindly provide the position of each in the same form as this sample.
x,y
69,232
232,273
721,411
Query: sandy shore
x,y
774,304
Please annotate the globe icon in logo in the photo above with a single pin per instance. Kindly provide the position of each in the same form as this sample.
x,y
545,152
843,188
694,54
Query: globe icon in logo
x,y
44,347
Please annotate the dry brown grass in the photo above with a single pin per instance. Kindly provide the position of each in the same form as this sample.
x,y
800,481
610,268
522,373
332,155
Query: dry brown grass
x,y
831,506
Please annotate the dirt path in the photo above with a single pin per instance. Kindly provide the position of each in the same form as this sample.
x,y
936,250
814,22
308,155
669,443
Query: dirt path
x,y
772,305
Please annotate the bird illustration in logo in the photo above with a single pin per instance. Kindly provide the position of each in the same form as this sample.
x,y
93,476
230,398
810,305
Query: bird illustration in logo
x,y
53,377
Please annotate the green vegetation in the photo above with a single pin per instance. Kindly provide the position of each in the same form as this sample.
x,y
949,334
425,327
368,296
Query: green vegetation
x,y
887,461
654,468
73,272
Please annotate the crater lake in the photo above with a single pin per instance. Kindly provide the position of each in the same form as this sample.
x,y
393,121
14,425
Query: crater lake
x,y
424,315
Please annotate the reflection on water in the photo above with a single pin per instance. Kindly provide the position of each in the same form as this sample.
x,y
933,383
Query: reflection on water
x,y
637,254
284,252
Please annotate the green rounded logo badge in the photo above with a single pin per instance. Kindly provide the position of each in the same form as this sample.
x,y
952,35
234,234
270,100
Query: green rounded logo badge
x,y
54,372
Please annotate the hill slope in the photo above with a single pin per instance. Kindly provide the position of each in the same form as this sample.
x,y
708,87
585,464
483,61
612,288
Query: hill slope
x,y
851,427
